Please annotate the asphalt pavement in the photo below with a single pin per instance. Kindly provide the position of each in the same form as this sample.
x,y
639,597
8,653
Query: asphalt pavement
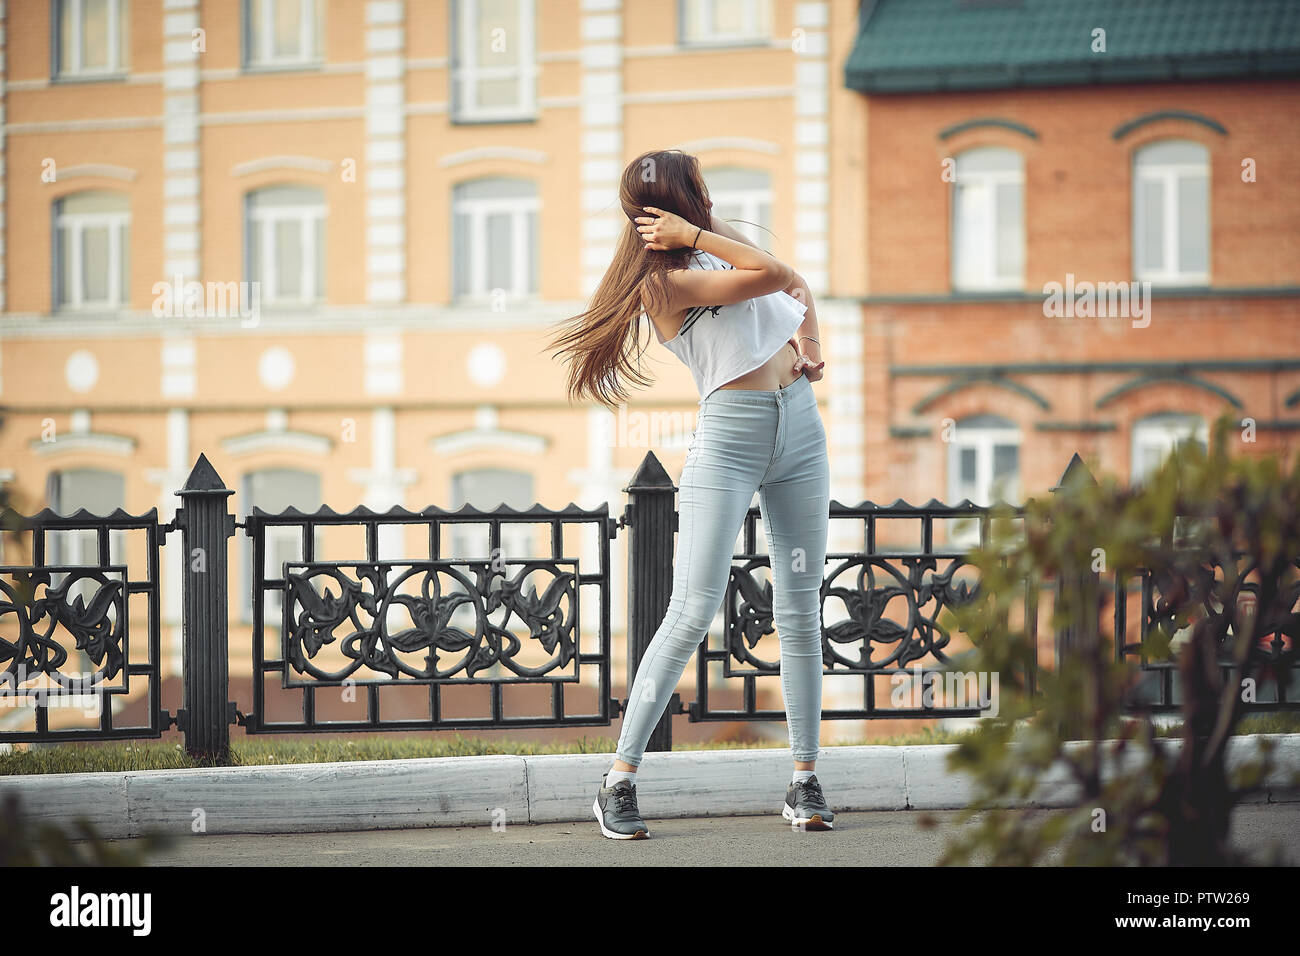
x,y
880,838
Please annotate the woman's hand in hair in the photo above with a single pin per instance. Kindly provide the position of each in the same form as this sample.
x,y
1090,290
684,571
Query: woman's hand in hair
x,y
663,230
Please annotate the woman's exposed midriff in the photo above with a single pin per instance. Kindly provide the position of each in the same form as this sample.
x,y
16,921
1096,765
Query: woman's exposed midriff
x,y
776,372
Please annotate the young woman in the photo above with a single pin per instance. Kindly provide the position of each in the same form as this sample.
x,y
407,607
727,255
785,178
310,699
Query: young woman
x,y
743,323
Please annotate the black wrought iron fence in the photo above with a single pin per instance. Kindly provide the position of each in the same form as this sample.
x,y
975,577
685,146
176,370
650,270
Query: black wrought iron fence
x,y
504,634
500,624
81,637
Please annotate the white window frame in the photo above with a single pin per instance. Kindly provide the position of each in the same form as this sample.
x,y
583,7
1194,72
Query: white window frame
x,y
118,33
70,278
259,38
748,204
467,72
982,275
522,246
696,21
983,439
1169,175
1163,430
264,219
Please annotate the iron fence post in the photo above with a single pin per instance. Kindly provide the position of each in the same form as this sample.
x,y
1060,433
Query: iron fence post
x,y
651,517
1078,636
206,525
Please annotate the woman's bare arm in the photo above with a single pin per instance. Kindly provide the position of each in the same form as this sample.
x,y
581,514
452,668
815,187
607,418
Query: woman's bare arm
x,y
730,231
754,272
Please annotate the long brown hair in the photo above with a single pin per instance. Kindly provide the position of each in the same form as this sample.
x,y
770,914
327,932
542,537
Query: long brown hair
x,y
603,346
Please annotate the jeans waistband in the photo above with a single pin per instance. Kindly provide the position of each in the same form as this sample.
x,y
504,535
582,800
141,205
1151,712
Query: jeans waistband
x,y
759,396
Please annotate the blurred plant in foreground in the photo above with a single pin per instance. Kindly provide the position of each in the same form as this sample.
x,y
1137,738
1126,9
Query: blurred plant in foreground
x,y
1213,531
26,842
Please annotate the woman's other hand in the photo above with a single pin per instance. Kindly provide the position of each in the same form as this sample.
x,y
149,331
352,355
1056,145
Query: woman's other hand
x,y
664,230
809,360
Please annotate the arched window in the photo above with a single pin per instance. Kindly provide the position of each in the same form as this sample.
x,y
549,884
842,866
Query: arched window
x,y
285,244
274,489
1156,436
100,492
494,237
984,466
988,222
487,489
91,250
1171,213
744,194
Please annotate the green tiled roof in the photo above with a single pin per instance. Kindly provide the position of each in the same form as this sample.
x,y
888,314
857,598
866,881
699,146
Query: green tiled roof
x,y
928,45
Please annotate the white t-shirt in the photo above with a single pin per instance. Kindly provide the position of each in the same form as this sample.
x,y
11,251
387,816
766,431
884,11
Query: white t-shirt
x,y
722,342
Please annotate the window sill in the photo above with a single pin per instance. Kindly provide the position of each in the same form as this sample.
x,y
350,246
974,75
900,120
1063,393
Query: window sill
x,y
1168,283
88,312
470,120
725,43
296,66
80,79
479,302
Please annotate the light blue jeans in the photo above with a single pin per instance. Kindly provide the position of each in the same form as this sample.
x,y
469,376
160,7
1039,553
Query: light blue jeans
x,y
772,442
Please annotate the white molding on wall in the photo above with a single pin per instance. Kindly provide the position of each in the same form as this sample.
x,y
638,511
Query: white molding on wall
x,y
494,439
5,86
106,170
276,440
812,156
745,143
182,200
310,164
601,145
385,162
517,153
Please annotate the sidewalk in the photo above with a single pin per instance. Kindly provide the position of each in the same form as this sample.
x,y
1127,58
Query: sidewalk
x,y
859,839
509,790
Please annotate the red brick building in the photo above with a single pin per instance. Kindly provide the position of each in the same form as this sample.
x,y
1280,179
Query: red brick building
x,y
1013,146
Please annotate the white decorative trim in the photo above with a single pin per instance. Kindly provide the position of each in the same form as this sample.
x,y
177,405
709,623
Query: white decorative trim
x,y
182,202
126,323
178,363
5,86
277,441
709,95
309,164
95,442
385,177
107,170
383,358
745,143
516,153
601,118
841,325
497,439
812,154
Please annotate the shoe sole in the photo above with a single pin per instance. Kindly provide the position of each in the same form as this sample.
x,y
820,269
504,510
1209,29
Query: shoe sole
x,y
815,822
638,835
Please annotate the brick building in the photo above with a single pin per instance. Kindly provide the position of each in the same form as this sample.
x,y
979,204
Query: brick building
x,y
1011,147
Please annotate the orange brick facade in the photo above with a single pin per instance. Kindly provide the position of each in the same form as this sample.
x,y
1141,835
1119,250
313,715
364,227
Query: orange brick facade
x,y
1077,220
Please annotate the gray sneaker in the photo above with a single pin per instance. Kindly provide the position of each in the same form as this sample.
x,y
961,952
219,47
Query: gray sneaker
x,y
805,806
616,812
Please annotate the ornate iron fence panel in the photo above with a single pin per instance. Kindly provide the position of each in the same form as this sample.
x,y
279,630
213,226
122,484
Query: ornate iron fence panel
x,y
520,630
881,608
69,651
1137,596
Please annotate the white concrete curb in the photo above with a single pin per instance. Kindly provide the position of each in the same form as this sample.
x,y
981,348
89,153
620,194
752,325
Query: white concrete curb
x,y
481,791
